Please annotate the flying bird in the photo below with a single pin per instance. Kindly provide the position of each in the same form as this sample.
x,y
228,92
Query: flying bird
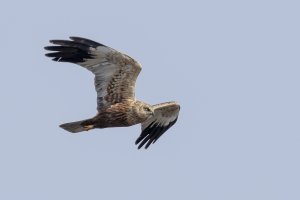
x,y
115,77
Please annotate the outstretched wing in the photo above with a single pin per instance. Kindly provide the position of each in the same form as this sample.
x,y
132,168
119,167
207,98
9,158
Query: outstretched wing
x,y
165,116
115,73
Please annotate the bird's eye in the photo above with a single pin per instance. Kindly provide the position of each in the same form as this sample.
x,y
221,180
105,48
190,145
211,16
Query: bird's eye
x,y
147,109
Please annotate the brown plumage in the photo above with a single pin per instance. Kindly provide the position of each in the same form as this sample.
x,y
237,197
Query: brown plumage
x,y
115,77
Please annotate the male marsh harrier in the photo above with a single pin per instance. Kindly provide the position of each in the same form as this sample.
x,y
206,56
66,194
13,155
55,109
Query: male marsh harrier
x,y
115,77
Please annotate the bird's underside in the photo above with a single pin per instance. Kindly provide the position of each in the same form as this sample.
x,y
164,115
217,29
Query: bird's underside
x,y
115,77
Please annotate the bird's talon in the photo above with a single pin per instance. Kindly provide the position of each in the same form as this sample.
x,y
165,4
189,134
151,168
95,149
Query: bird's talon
x,y
88,127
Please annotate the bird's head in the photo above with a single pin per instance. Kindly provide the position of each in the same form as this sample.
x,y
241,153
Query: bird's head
x,y
146,111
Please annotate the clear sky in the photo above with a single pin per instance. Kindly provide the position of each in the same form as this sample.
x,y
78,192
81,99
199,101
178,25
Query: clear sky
x,y
232,65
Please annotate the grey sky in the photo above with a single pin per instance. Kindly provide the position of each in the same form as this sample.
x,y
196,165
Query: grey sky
x,y
232,65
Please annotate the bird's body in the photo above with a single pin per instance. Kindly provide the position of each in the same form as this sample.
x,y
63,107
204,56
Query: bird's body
x,y
122,114
115,77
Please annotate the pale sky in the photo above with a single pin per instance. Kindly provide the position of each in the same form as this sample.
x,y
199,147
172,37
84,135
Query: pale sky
x,y
232,65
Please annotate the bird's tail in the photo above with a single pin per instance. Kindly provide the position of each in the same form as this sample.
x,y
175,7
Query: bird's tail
x,y
79,126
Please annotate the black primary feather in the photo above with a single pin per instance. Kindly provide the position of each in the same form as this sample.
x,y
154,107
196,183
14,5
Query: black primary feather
x,y
151,134
87,42
76,50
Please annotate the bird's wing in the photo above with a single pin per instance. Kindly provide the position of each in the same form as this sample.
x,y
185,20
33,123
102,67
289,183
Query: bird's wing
x,y
115,73
165,116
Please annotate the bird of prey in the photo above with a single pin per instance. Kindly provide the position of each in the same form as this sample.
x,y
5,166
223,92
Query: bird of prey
x,y
115,77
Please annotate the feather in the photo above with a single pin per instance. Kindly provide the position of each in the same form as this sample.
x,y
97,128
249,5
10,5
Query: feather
x,y
165,116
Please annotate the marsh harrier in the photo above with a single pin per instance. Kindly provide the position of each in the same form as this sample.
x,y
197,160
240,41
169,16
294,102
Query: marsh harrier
x,y
115,77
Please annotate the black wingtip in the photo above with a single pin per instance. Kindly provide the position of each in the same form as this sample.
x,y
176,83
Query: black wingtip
x,y
74,51
152,133
86,41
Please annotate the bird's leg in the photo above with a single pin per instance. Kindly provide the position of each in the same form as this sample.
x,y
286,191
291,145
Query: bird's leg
x,y
88,127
